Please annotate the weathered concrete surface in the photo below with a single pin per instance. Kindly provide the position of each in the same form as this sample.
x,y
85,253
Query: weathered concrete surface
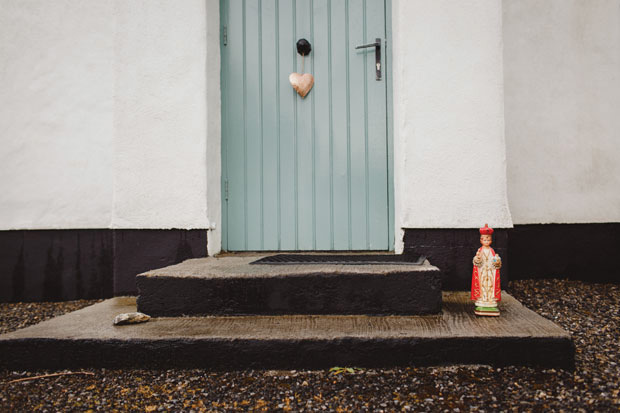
x,y
230,285
88,338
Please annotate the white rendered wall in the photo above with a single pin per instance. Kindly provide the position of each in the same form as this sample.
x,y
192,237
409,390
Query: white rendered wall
x,y
160,114
214,129
104,114
562,87
450,165
56,113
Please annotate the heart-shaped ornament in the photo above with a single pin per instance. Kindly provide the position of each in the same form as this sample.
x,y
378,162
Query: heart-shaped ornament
x,y
302,83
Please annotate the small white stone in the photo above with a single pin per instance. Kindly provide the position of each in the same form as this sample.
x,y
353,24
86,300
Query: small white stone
x,y
131,318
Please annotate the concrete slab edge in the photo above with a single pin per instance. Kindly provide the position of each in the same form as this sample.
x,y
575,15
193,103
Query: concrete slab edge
x,y
235,354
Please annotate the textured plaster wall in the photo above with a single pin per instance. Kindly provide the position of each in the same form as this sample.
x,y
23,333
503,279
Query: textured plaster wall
x,y
214,131
160,114
562,87
450,165
104,114
56,113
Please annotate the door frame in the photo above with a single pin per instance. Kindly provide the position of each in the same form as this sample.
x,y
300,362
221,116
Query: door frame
x,y
223,14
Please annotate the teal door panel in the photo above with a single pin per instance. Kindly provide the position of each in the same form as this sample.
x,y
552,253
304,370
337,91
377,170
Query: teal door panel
x,y
313,173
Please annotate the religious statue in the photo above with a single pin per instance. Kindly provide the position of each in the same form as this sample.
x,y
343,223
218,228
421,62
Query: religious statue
x,y
485,283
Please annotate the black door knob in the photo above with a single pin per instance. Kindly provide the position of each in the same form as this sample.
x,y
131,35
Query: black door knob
x,y
303,47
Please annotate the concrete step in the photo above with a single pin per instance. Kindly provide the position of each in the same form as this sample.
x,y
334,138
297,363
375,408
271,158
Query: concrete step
x,y
231,285
87,338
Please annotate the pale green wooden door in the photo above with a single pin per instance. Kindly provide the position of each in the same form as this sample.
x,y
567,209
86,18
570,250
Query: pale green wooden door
x,y
304,174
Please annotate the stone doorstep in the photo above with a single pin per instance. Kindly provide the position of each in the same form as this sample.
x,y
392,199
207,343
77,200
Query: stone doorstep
x,y
87,338
231,285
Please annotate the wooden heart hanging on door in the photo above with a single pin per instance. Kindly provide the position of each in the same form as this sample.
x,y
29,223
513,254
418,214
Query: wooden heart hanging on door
x,y
302,83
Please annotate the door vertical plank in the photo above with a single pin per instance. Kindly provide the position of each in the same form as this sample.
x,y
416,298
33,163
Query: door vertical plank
x,y
236,128
254,136
270,111
387,27
224,84
322,157
304,132
377,136
340,120
358,118
288,228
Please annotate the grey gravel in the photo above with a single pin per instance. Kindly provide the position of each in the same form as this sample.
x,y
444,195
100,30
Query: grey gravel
x,y
19,315
590,312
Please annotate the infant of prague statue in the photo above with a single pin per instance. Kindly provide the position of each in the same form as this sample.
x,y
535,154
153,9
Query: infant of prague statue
x,y
485,285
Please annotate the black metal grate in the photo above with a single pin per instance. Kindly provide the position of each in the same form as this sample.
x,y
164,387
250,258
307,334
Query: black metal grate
x,y
352,259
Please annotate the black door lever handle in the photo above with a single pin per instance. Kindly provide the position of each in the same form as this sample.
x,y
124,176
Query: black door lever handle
x,y
377,46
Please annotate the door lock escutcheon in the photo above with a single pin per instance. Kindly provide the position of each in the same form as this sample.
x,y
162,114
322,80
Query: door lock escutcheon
x,y
377,46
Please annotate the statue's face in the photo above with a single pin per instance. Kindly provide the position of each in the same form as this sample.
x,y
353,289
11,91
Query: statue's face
x,y
486,240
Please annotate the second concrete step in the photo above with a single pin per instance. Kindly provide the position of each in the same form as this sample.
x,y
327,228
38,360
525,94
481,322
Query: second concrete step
x,y
232,286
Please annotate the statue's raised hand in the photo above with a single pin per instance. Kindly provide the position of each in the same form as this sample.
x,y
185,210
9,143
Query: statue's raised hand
x,y
478,259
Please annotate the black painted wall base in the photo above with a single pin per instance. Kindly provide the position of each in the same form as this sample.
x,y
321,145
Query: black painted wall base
x,y
585,252
54,265
452,251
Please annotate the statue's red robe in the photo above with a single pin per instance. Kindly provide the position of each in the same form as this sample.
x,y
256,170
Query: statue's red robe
x,y
475,283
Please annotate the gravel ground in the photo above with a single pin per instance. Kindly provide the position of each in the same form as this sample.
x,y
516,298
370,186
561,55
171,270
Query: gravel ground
x,y
589,311
19,315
